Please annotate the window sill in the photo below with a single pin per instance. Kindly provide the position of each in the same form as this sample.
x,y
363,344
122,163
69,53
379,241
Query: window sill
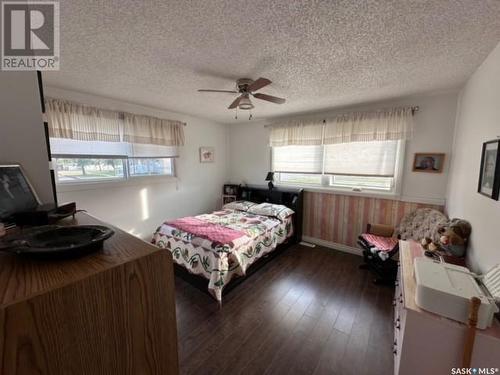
x,y
367,194
109,184
344,191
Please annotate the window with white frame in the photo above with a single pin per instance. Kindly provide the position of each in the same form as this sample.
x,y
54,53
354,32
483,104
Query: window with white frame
x,y
355,165
93,145
357,151
92,161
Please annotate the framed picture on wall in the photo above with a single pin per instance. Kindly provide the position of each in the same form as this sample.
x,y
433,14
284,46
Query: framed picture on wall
x,y
207,154
489,175
428,162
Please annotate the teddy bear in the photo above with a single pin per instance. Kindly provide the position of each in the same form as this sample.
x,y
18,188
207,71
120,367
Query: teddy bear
x,y
453,237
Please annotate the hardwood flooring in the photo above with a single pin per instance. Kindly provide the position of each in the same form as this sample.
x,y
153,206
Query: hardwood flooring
x,y
308,311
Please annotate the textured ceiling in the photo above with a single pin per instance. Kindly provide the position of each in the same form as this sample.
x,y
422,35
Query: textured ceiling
x,y
319,54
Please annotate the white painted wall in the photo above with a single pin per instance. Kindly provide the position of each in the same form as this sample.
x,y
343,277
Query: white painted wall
x,y
22,137
478,121
141,205
250,156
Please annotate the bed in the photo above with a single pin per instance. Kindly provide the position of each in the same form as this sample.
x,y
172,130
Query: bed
x,y
226,244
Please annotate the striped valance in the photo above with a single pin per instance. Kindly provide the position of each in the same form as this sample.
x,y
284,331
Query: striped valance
x,y
86,123
297,133
389,125
152,130
385,125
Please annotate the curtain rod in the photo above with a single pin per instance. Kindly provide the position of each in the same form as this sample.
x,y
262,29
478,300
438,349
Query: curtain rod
x,y
414,109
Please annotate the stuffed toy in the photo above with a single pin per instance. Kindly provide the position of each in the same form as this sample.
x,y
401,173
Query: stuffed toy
x,y
453,238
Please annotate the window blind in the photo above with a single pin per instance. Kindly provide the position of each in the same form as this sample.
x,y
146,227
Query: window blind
x,y
298,159
68,147
376,158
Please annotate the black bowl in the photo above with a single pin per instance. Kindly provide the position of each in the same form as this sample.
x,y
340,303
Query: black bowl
x,y
58,242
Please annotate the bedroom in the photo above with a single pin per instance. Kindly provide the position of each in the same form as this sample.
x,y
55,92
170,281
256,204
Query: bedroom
x,y
387,108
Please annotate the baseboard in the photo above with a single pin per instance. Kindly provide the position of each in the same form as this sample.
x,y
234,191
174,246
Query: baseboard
x,y
333,245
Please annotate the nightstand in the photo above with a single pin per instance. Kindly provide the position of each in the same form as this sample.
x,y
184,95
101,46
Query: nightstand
x,y
228,198
229,193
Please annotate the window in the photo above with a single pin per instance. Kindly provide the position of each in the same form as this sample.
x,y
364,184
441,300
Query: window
x,y
86,169
93,161
90,144
151,166
355,165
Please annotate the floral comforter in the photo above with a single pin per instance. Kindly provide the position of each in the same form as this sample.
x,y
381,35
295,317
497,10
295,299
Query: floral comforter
x,y
219,262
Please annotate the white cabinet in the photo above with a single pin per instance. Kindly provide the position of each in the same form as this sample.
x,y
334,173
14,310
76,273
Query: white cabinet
x,y
426,343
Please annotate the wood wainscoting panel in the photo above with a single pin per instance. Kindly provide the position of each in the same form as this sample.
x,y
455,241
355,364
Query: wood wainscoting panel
x,y
341,218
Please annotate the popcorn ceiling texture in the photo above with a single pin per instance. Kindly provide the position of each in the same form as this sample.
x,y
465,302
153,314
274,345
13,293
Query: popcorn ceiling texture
x,y
319,54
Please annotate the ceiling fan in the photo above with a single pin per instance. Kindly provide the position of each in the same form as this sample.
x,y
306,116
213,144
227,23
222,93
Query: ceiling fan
x,y
246,87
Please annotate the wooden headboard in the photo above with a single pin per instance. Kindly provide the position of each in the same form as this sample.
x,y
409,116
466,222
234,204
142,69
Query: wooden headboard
x,y
292,198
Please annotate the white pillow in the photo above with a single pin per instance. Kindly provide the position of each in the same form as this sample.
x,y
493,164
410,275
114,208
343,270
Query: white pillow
x,y
239,205
273,210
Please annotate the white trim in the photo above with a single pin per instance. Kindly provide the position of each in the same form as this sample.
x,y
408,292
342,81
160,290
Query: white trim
x,y
399,168
371,193
333,245
367,193
424,200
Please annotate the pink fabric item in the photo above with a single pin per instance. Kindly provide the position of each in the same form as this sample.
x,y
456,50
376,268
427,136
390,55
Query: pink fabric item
x,y
381,243
212,232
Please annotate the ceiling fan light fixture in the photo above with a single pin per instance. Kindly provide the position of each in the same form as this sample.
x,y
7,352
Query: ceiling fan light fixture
x,y
245,103
246,88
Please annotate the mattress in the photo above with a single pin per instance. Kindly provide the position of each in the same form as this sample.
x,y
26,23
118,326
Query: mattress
x,y
219,261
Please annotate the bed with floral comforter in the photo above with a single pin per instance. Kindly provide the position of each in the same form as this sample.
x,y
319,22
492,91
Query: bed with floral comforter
x,y
223,244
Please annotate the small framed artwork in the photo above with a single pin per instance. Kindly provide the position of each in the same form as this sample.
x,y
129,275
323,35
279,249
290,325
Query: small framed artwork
x,y
489,175
428,162
207,154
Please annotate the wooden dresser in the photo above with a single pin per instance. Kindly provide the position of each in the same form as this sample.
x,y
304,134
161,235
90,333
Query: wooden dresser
x,y
426,343
111,312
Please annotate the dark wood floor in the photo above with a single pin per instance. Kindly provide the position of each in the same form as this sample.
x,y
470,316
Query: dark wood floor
x,y
308,311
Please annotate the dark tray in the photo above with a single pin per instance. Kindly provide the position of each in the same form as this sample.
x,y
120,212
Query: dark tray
x,y
57,242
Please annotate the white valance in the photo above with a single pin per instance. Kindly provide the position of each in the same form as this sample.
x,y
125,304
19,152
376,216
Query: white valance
x,y
81,122
386,125
152,130
85,123
389,125
296,133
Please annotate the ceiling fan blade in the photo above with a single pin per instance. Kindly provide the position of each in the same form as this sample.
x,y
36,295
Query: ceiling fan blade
x,y
235,103
269,98
258,84
228,91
